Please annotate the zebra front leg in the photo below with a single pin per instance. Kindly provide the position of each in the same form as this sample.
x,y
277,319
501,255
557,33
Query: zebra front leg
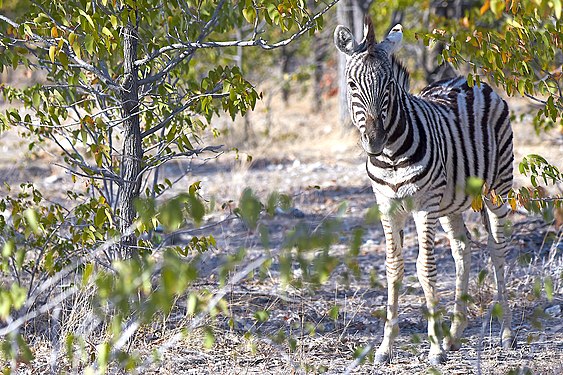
x,y
459,241
496,217
394,267
426,272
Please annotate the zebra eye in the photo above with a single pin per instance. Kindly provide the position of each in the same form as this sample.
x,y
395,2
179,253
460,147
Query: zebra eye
x,y
352,85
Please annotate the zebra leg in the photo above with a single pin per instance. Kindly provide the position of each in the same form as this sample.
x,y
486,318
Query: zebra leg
x,y
459,241
426,271
394,266
496,218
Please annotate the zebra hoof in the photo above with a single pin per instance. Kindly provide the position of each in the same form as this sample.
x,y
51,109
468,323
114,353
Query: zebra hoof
x,y
437,359
381,358
509,343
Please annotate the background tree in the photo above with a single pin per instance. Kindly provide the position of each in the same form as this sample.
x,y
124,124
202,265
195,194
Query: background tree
x,y
128,86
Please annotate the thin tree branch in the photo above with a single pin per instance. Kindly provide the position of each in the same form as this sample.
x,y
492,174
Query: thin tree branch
x,y
182,108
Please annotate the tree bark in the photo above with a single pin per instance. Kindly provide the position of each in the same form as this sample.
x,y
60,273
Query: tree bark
x,y
132,152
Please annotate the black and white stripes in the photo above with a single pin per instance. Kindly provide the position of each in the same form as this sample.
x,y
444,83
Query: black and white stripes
x,y
421,151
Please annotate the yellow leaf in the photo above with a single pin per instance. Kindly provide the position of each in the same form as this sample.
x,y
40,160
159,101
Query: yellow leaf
x,y
477,203
63,59
485,7
54,32
512,203
497,7
52,51
71,38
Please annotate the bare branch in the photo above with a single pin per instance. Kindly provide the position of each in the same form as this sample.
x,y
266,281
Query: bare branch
x,y
159,161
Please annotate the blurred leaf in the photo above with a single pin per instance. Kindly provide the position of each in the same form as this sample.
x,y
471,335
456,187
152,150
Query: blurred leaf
x,y
261,315
548,285
32,220
250,208
497,311
333,312
209,338
88,269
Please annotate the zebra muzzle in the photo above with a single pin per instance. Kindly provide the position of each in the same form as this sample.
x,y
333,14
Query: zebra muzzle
x,y
373,138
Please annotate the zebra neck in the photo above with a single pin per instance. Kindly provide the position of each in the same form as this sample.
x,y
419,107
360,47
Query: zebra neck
x,y
401,132
400,74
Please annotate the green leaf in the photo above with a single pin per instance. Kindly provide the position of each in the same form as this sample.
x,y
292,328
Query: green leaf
x,y
52,51
103,350
474,186
249,14
5,304
373,215
497,311
249,208
191,305
557,8
77,50
18,296
196,209
106,31
209,339
100,217
32,220
548,286
261,316
89,43
88,269
470,81
333,312
25,352
8,248
481,276
71,38
63,58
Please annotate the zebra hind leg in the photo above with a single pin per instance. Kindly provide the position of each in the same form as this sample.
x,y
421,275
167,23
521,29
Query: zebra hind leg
x,y
495,219
459,241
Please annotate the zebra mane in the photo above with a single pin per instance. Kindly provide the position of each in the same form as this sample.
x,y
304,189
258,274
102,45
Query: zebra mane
x,y
400,73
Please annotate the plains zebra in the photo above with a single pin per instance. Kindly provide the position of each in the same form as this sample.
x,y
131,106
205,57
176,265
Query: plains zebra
x,y
421,150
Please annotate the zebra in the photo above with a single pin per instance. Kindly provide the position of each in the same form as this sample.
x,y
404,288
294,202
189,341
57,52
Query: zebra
x,y
421,151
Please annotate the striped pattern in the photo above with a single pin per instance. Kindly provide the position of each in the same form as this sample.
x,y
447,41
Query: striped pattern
x,y
440,138
421,151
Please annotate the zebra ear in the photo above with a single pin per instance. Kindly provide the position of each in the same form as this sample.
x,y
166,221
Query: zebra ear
x,y
393,41
344,40
369,35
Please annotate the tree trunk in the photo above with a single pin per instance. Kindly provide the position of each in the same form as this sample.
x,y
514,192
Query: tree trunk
x,y
349,13
342,19
318,72
132,152
285,60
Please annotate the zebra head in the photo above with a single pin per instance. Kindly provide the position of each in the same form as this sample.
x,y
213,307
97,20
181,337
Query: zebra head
x,y
370,81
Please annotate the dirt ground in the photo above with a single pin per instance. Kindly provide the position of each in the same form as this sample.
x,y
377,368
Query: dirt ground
x,y
313,159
